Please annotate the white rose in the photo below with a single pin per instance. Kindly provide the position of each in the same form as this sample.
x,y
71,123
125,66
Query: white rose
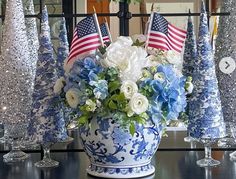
x,y
72,97
137,61
59,85
173,57
140,37
91,105
129,88
118,53
138,103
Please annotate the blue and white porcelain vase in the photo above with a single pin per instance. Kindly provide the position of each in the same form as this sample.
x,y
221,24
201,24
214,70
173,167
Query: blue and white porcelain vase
x,y
115,153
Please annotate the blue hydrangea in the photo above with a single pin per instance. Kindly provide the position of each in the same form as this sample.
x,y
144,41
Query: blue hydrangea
x,y
168,98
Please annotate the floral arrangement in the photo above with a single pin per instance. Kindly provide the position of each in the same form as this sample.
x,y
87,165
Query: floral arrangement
x,y
123,82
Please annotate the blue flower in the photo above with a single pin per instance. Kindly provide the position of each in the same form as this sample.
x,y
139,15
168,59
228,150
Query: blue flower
x,y
101,88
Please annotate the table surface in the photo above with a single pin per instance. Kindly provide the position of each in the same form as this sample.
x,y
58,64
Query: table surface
x,y
175,159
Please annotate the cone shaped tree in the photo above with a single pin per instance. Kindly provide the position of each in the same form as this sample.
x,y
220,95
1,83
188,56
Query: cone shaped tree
x,y
206,118
47,119
225,58
16,68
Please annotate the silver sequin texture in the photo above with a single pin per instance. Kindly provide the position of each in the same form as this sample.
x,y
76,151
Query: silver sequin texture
x,y
16,82
226,47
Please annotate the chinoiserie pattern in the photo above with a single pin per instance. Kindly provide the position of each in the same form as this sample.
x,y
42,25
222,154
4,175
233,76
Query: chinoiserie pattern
x,y
113,150
47,119
206,118
190,51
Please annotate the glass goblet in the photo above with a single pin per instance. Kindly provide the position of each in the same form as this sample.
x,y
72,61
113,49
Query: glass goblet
x,y
5,136
208,161
16,133
47,162
233,132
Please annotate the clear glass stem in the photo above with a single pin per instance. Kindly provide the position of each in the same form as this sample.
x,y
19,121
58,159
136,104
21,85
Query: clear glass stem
x,y
15,145
46,152
207,151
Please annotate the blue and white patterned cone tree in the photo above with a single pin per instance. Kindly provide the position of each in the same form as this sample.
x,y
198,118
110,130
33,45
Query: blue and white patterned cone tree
x,y
62,54
206,118
225,58
16,76
189,60
63,49
47,118
190,51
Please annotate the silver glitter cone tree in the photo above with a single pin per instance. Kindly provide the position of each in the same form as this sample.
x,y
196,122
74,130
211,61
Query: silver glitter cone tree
x,y
16,69
47,122
206,118
32,33
225,58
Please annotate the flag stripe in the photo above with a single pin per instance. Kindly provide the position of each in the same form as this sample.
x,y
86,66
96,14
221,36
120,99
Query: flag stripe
x,y
80,51
85,38
157,46
162,38
164,35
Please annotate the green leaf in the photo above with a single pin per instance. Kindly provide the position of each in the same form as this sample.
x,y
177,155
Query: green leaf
x,y
83,119
113,86
132,128
112,105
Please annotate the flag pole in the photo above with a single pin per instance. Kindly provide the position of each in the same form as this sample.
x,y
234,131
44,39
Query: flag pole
x,y
97,25
148,22
108,30
149,30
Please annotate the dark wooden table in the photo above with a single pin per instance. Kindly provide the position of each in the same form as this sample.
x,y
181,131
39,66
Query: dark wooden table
x,y
175,159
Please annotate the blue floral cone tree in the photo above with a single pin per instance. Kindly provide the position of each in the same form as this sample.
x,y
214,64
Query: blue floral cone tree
x,y
189,61
62,54
47,124
63,49
190,51
206,118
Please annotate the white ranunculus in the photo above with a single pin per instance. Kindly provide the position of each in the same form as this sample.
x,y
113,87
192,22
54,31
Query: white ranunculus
x,y
60,83
72,97
91,105
129,87
138,103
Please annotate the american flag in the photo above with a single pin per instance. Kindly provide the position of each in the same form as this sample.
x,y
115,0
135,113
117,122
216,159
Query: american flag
x,y
86,38
163,35
105,32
